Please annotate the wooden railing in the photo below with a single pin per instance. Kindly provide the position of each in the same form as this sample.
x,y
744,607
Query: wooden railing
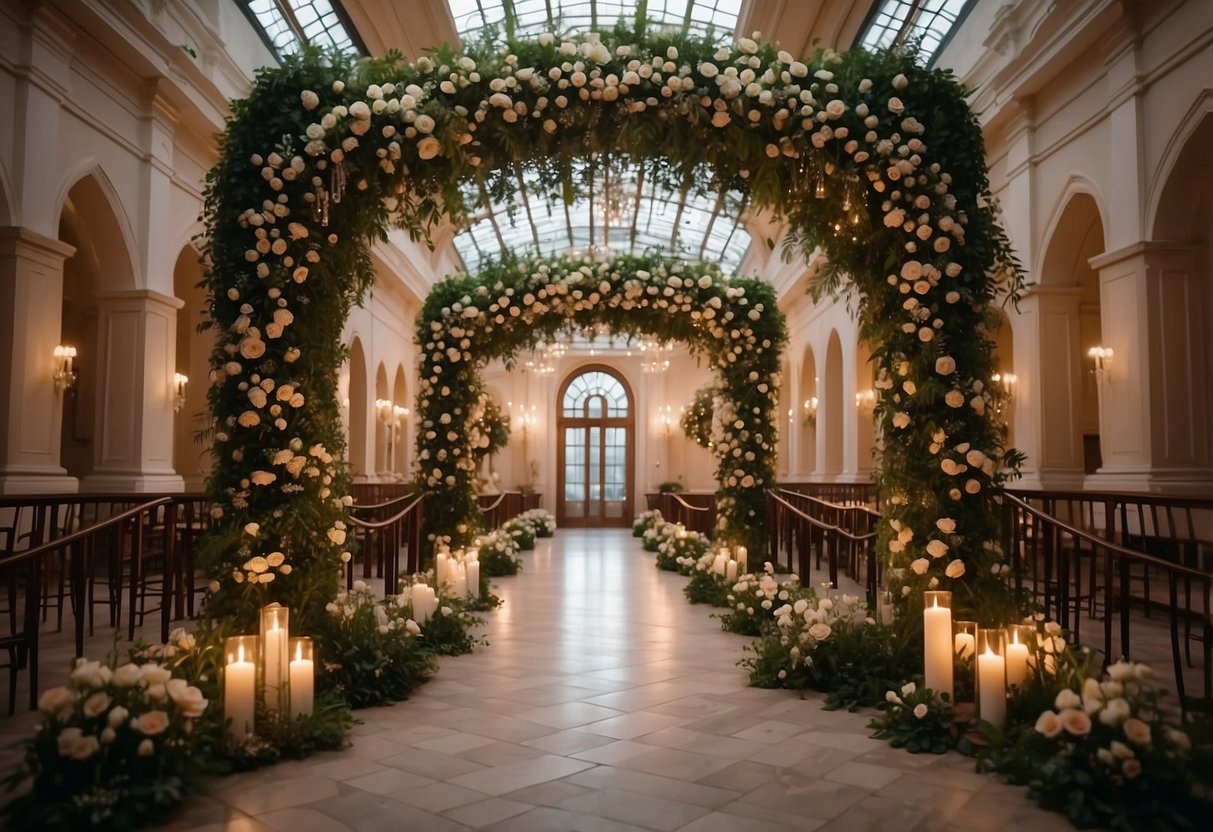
x,y
379,492
1068,568
839,493
126,548
696,511
804,529
503,507
383,531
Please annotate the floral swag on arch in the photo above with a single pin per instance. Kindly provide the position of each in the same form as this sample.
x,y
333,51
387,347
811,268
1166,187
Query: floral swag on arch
x,y
869,159
506,307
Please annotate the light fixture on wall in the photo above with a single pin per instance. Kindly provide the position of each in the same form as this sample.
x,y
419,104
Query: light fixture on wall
x,y
399,413
65,371
179,382
383,408
865,398
810,411
666,419
1102,357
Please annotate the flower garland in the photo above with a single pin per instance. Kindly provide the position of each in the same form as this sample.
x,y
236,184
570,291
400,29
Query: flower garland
x,y
324,153
734,323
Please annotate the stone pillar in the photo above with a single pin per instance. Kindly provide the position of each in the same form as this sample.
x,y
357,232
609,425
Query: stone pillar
x,y
31,300
136,347
1048,394
1154,418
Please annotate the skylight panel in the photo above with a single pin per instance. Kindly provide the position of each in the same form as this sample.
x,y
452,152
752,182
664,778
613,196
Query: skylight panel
x,y
530,17
287,25
931,22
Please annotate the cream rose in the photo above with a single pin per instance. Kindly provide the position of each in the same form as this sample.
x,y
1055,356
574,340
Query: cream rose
x,y
151,723
1075,722
429,147
1048,724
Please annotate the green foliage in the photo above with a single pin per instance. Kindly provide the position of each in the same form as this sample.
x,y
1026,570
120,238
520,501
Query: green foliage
x,y
449,630
368,653
1104,754
671,487
499,554
490,428
707,587
919,720
645,521
279,738
522,532
753,598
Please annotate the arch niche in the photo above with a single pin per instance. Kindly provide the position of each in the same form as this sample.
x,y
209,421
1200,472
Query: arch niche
x,y
833,145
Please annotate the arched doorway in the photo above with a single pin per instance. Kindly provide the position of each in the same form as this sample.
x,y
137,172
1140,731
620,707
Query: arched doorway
x,y
831,412
357,410
595,426
807,417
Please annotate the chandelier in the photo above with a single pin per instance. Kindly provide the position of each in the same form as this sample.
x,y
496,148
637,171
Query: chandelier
x,y
654,355
545,356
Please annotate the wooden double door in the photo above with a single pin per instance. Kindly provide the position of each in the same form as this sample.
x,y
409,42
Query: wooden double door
x,y
595,428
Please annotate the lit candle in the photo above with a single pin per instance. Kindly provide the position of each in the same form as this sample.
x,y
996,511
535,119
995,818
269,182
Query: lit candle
x,y
1017,658
886,607
303,679
730,571
421,603
992,687
964,645
742,559
440,569
459,573
937,643
718,564
240,686
473,567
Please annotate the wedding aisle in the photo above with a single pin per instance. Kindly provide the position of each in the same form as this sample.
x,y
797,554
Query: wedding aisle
x,y
606,702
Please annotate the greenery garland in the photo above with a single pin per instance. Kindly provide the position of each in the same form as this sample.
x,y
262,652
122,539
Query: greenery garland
x,y
696,421
510,306
325,153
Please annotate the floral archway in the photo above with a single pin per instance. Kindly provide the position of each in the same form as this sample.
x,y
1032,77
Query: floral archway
x,y
734,324
868,158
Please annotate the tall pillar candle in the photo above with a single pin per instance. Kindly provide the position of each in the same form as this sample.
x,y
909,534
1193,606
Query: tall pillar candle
x,y
937,641
240,685
743,559
473,567
303,677
991,678
730,571
275,632
440,570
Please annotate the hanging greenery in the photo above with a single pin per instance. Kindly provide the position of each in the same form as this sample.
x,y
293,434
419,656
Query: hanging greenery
x,y
696,420
326,153
490,428
510,306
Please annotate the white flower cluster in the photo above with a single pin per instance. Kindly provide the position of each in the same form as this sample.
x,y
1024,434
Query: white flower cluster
x,y
389,614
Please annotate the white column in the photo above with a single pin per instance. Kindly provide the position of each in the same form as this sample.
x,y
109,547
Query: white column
x,y
1154,422
1048,395
136,350
31,301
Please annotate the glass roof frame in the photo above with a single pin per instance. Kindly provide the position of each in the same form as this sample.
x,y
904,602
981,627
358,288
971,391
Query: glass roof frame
x,y
931,22
286,26
531,17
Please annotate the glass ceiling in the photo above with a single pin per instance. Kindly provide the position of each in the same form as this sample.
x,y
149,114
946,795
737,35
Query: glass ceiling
x,y
619,212
286,25
900,21
531,17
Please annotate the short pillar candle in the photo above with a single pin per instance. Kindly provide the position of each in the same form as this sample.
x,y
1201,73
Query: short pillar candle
x,y
1020,640
992,677
937,641
303,677
275,644
240,685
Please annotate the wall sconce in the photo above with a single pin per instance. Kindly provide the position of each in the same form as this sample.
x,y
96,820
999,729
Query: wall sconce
x,y
865,398
383,407
810,411
1102,357
179,382
399,413
65,372
666,419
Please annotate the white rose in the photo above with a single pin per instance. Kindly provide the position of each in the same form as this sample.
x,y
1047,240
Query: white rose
x,y
429,147
955,569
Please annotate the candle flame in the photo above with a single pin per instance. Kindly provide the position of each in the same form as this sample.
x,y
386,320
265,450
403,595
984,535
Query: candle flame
x,y
239,652
1015,636
934,601
299,651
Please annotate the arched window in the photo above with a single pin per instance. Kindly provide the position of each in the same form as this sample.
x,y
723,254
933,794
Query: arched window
x,y
595,427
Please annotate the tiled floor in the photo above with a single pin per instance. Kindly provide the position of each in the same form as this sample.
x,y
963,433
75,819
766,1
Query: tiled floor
x,y
607,702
